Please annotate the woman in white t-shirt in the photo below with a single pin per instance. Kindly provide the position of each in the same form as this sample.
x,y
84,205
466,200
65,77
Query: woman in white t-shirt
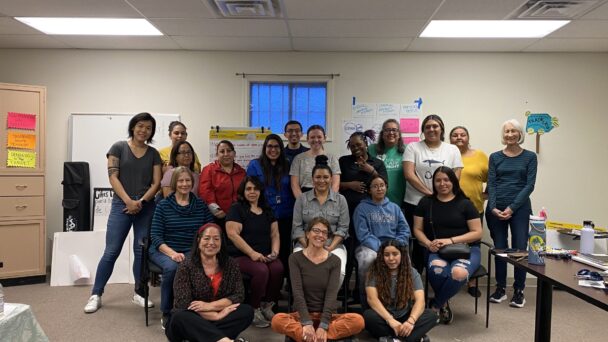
x,y
420,160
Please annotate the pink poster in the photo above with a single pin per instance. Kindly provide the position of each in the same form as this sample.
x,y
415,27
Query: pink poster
x,y
21,120
407,140
409,125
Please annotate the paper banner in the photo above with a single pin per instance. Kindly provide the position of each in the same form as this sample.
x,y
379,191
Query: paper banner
x,y
21,121
364,110
407,140
409,125
411,109
21,159
388,111
21,140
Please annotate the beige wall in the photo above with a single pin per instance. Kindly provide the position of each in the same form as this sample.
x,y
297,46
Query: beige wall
x,y
478,90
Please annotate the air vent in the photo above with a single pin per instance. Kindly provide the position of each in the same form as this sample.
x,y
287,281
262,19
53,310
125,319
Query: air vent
x,y
248,8
548,9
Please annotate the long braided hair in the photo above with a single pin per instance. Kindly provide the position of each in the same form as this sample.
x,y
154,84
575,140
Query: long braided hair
x,y
380,272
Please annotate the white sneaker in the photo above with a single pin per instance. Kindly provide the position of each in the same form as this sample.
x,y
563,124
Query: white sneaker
x,y
139,300
93,304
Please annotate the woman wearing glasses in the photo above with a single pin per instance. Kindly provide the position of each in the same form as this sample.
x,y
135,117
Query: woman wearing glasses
x,y
182,154
315,273
177,133
376,220
396,296
389,150
272,170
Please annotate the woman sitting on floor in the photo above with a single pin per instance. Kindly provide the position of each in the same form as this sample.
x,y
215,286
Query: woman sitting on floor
x,y
209,293
396,296
315,274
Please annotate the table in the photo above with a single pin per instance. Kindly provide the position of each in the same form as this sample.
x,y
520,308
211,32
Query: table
x,y
559,273
572,232
18,324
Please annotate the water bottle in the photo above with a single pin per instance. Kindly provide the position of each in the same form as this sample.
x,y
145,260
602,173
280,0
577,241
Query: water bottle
x,y
536,239
587,235
1,301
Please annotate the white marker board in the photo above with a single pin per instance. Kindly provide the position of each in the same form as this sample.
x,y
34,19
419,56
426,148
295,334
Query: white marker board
x,y
91,136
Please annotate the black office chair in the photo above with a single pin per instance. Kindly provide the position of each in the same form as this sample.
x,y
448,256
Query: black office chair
x,y
150,273
479,273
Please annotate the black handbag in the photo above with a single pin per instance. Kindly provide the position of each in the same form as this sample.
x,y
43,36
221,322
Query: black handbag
x,y
453,251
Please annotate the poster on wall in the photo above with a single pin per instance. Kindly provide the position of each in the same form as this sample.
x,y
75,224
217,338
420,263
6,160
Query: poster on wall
x,y
367,115
102,203
247,142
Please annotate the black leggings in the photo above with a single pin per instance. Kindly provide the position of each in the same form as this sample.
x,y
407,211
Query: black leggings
x,y
378,327
189,325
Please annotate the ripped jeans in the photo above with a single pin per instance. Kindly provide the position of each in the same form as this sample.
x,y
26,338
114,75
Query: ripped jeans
x,y
447,277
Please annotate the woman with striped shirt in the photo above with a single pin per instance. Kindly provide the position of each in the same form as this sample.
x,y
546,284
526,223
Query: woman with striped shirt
x,y
174,226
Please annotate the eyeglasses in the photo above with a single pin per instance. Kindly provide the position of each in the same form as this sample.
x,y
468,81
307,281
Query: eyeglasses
x,y
319,231
391,130
588,275
185,153
270,147
378,187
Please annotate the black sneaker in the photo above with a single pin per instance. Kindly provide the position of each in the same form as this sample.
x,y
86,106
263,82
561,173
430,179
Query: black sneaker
x,y
425,338
445,314
499,295
518,300
473,291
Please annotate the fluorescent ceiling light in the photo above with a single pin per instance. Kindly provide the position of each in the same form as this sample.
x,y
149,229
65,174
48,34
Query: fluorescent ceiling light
x,y
491,28
92,26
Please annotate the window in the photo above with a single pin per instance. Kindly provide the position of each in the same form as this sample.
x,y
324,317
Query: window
x,y
272,104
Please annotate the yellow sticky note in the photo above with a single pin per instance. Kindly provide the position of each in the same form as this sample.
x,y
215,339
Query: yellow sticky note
x,y
21,140
21,159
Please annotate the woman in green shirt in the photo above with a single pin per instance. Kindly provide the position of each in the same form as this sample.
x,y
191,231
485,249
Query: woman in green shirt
x,y
390,150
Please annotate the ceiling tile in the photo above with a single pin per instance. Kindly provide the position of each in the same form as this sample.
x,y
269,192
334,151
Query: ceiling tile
x,y
476,9
468,44
233,43
173,8
583,29
569,45
119,42
356,28
222,27
12,26
30,42
350,44
360,9
598,13
68,8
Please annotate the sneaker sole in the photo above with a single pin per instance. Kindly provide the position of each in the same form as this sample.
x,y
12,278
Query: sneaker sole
x,y
515,305
500,300
150,304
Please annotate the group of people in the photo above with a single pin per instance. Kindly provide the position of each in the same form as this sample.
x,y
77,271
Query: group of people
x,y
302,214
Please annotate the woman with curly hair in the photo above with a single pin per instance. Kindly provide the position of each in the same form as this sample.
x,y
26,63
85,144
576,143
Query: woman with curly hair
x,y
396,296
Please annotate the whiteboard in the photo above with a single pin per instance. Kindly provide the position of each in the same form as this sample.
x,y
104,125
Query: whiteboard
x,y
92,135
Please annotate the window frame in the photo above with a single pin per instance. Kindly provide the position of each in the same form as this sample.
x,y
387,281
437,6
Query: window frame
x,y
328,80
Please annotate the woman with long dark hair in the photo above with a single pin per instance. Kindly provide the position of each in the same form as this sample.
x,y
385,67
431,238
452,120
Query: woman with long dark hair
x,y
447,217
272,170
134,169
208,293
177,133
182,154
396,296
254,243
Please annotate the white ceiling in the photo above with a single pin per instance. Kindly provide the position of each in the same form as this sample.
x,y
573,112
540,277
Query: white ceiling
x,y
302,25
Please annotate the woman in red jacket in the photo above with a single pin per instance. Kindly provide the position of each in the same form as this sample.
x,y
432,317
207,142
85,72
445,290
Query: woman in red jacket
x,y
220,180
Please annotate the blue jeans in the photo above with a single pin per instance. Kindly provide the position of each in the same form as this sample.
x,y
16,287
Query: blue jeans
x,y
119,225
519,240
440,277
166,287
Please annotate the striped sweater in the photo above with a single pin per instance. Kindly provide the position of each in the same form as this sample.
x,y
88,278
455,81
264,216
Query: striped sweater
x,y
511,179
176,225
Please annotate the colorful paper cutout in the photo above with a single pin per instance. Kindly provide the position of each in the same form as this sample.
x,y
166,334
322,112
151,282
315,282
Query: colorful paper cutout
x,y
407,140
540,123
21,120
409,125
21,140
21,159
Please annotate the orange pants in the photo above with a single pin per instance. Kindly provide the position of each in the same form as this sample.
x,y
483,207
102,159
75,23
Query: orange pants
x,y
340,326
